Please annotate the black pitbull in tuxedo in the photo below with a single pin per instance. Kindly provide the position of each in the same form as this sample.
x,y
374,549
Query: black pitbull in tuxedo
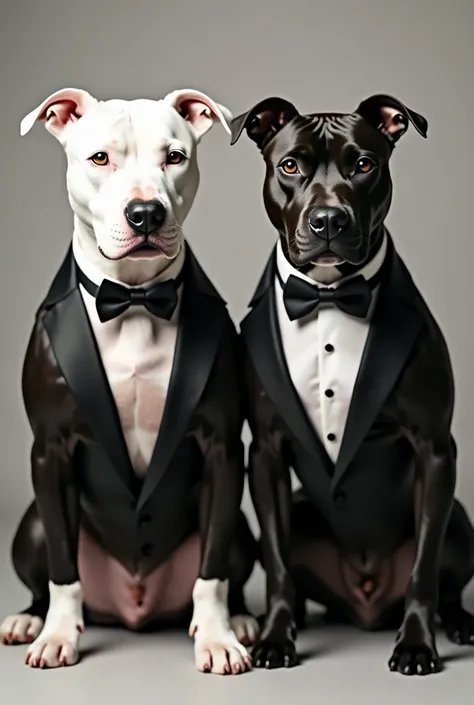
x,y
377,536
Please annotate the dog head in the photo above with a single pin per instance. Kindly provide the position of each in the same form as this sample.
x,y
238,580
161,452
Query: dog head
x,y
327,186
132,172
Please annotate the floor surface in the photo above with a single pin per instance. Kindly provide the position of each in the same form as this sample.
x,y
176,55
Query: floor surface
x,y
340,666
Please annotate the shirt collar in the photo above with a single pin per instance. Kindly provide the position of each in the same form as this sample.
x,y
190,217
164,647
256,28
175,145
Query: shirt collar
x,y
368,271
96,276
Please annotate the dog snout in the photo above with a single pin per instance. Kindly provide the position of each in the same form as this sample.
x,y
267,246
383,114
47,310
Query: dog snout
x,y
145,217
327,223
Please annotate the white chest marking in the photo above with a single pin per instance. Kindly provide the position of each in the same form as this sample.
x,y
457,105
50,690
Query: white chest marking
x,y
137,351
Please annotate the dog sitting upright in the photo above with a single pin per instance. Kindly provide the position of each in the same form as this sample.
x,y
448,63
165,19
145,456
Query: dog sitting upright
x,y
131,389
350,383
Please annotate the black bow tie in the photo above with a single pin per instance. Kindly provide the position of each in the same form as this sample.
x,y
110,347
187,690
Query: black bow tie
x,y
112,299
302,298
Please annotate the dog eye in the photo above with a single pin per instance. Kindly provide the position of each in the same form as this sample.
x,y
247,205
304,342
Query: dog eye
x,y
175,157
365,165
289,166
100,158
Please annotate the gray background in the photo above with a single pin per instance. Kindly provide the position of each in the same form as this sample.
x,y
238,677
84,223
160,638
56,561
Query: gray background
x,y
324,55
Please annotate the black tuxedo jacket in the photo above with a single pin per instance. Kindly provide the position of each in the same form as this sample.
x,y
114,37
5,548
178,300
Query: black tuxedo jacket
x,y
138,521
366,497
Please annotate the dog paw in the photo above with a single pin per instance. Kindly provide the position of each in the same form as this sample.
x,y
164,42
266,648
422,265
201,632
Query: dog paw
x,y
459,626
54,649
270,653
20,629
415,659
221,654
246,628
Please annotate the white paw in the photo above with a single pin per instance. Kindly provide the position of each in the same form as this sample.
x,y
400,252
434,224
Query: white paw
x,y
58,643
221,654
216,647
20,629
246,628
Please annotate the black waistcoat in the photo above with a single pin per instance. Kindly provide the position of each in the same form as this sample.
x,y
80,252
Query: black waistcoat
x,y
140,524
366,497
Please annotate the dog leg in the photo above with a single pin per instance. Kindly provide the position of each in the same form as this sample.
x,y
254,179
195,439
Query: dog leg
x,y
216,646
242,562
457,569
270,487
58,507
31,565
415,650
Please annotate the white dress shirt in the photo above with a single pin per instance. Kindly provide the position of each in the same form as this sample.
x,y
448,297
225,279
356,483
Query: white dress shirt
x,y
323,352
137,351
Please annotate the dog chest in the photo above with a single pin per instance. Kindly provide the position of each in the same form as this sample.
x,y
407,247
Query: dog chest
x,y
137,351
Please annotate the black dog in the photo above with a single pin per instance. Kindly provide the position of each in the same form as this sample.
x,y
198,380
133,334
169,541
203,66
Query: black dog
x,y
375,533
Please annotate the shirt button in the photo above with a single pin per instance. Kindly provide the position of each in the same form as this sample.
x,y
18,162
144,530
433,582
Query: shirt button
x,y
329,393
339,499
331,436
329,348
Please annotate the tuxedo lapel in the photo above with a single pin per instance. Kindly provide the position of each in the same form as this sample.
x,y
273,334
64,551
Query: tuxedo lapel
x,y
75,349
394,329
202,323
261,333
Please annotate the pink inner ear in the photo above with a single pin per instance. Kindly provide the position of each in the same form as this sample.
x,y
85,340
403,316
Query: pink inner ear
x,y
393,122
199,114
63,111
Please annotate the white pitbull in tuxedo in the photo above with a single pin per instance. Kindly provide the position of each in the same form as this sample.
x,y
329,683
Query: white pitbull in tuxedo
x,y
132,176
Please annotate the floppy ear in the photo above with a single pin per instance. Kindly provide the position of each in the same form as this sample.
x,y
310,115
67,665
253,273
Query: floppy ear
x,y
199,110
264,120
59,111
391,116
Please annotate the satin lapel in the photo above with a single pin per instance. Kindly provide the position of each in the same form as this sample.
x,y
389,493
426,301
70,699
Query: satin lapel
x,y
203,319
261,333
74,346
393,332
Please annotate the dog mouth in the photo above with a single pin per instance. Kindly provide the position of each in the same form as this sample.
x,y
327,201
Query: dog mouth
x,y
145,249
328,259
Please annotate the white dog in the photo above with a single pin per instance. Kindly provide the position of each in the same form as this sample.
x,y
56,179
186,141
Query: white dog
x,y
132,176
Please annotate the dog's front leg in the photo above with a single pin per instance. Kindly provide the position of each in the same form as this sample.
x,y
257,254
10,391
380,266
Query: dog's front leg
x,y
217,648
270,487
58,506
415,650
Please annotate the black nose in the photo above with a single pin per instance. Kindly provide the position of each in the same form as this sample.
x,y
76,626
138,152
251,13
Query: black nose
x,y
328,223
145,217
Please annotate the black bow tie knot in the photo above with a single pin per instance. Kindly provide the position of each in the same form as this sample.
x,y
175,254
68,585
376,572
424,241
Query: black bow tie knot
x,y
113,299
302,298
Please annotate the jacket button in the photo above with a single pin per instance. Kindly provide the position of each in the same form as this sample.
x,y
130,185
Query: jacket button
x,y
145,519
146,549
339,499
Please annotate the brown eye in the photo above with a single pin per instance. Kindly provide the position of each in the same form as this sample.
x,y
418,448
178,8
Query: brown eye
x,y
289,166
175,157
100,158
365,165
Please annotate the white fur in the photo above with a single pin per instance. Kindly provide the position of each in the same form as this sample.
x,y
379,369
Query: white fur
x,y
137,136
216,646
20,629
58,642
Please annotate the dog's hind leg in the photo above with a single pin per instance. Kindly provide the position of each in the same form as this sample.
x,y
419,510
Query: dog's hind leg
x,y
457,569
242,561
31,565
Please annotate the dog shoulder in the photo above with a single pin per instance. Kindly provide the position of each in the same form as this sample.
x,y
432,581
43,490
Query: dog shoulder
x,y
47,398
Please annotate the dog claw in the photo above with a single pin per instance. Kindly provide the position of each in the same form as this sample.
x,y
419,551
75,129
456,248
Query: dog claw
x,y
459,626
275,654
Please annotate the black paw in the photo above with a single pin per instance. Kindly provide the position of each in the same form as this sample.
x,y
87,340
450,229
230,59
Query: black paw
x,y
270,653
459,626
415,659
